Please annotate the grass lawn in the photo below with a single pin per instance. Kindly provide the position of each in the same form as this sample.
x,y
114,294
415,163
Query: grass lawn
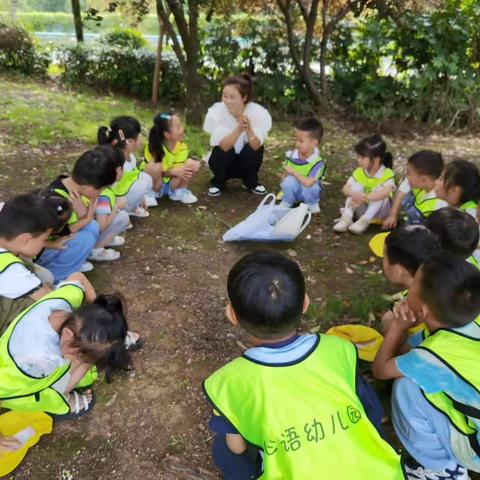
x,y
173,272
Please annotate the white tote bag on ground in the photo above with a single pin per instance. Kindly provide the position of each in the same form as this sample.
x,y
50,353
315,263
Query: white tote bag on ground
x,y
271,223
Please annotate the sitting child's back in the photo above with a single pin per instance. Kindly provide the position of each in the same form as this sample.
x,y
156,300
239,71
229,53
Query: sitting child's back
x,y
292,396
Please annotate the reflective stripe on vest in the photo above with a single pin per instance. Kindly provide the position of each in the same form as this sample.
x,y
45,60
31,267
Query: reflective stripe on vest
x,y
305,416
371,183
461,355
112,198
7,259
304,168
14,383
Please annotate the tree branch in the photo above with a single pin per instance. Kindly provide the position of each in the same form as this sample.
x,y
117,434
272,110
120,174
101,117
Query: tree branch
x,y
285,7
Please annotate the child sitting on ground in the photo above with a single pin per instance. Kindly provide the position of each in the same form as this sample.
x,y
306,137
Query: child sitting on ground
x,y
48,350
436,397
305,167
459,185
457,231
92,172
405,249
124,133
167,159
416,194
26,222
297,398
112,221
369,188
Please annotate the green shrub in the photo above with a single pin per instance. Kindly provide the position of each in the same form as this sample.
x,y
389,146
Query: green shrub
x,y
18,51
126,38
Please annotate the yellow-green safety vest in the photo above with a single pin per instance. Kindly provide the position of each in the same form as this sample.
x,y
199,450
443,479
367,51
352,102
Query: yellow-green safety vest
x,y
473,261
170,159
123,186
461,354
8,259
470,205
112,198
305,416
18,390
425,206
371,183
304,168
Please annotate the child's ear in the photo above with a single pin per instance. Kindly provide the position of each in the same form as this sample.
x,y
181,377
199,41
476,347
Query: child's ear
x,y
232,318
23,238
306,303
67,334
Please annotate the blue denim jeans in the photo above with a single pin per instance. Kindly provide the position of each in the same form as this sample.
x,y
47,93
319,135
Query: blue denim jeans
x,y
294,191
62,263
414,217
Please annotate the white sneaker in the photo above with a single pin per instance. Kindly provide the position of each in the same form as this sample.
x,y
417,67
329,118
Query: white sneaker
x,y
183,195
284,204
117,241
343,223
104,255
258,190
139,212
86,267
150,200
314,207
420,473
129,226
214,192
359,226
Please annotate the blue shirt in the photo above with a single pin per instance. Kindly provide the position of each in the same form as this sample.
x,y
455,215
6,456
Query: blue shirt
x,y
292,350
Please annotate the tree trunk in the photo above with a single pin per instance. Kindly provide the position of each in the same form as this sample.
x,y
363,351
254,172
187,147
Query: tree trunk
x,y
77,20
323,61
158,64
195,99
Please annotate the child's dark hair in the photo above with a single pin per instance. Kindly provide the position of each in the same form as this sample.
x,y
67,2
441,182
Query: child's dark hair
x,y
61,205
99,330
243,84
373,147
29,213
95,169
450,287
410,245
457,231
311,125
114,153
120,129
156,137
463,174
267,292
427,162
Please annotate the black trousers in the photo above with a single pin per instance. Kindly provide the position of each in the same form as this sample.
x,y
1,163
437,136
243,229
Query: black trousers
x,y
244,165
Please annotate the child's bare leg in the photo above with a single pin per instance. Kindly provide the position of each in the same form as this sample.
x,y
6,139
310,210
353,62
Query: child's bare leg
x,y
90,294
177,182
154,169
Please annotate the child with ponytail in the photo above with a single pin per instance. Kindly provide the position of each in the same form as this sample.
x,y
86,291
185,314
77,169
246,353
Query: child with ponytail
x,y
167,159
370,187
123,133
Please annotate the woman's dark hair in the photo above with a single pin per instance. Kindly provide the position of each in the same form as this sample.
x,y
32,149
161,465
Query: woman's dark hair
x,y
427,162
156,137
99,330
457,231
30,213
410,245
120,129
373,147
267,293
463,174
114,153
94,168
243,83
450,287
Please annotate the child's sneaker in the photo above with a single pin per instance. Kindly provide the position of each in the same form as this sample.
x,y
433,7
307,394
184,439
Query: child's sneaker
x,y
150,200
183,195
117,241
104,255
420,473
86,267
343,223
314,207
214,192
359,226
139,212
130,226
284,204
